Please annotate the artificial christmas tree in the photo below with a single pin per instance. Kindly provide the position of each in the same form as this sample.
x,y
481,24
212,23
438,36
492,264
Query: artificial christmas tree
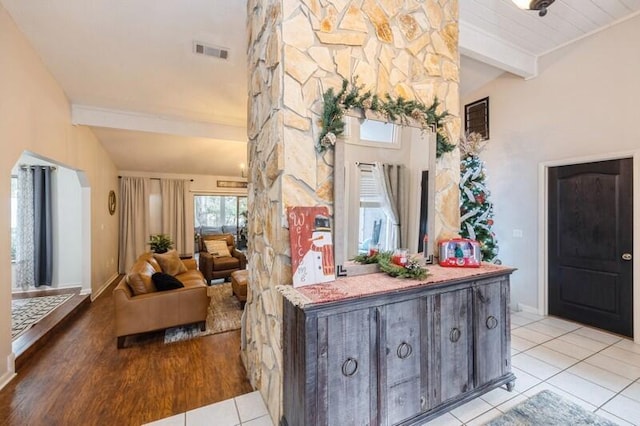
x,y
476,211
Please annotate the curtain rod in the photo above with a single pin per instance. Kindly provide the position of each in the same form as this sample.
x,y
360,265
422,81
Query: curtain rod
x,y
120,177
30,166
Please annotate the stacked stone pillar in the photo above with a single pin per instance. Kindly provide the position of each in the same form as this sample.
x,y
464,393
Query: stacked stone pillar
x,y
297,50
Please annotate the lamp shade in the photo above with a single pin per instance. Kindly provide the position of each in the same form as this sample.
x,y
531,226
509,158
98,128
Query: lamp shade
x,y
523,4
539,5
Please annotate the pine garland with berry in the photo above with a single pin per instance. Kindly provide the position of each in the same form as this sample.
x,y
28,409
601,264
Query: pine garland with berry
x,y
412,270
394,110
476,210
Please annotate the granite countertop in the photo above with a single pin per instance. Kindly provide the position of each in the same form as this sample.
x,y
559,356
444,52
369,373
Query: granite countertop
x,y
377,283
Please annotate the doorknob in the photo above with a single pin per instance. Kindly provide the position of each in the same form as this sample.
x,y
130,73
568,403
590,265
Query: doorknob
x,y
626,256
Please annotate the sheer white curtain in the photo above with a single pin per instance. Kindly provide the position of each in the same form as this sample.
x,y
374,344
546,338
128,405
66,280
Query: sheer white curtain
x,y
173,193
134,222
390,179
25,245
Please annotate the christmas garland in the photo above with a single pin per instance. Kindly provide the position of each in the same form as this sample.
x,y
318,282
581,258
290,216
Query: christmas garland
x,y
336,104
411,270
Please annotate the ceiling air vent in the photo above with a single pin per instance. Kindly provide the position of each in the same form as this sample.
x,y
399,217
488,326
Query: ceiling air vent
x,y
207,50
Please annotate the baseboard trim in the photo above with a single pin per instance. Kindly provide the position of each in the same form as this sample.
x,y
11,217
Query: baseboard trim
x,y
95,295
10,373
529,309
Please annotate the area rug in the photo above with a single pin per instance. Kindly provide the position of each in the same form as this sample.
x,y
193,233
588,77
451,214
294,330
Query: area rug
x,y
548,409
25,313
224,314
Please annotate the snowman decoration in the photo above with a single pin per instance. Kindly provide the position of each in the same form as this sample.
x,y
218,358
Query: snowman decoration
x,y
317,265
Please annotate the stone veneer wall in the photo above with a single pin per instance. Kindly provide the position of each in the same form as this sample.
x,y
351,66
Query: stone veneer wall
x,y
297,50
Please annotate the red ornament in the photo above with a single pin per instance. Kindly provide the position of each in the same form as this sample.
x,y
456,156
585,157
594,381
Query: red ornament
x,y
490,222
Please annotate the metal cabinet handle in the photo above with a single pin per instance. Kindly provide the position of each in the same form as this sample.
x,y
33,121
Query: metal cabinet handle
x,y
627,256
349,367
491,322
404,350
455,334
423,402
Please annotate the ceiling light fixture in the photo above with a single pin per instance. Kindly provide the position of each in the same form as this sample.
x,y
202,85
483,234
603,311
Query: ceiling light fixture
x,y
539,5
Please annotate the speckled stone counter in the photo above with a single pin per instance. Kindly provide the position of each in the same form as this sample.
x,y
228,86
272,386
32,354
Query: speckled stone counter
x,y
372,284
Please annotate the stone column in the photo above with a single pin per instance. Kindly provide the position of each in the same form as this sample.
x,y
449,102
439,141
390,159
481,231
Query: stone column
x,y
297,50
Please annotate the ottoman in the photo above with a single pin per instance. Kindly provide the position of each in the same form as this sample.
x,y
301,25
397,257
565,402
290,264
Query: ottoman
x,y
239,285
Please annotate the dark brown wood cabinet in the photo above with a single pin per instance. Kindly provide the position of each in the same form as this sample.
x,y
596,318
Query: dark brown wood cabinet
x,y
398,358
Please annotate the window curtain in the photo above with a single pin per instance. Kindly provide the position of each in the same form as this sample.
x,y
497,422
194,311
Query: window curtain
x,y
25,245
43,225
390,180
34,251
134,224
173,193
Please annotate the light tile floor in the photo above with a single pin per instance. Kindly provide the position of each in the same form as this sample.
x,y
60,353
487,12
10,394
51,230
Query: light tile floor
x,y
243,410
597,370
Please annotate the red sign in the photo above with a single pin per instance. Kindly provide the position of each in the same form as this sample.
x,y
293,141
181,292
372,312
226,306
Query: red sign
x,y
311,245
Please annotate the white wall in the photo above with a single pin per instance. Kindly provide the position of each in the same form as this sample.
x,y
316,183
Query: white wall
x,y
68,222
35,117
584,103
201,184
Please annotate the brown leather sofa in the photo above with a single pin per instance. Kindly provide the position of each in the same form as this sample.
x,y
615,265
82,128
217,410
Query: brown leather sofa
x,y
220,267
157,310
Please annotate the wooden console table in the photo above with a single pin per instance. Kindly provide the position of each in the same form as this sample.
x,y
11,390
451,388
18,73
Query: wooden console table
x,y
374,350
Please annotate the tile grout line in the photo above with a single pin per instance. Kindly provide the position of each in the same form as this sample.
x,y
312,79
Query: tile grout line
x,y
235,404
584,360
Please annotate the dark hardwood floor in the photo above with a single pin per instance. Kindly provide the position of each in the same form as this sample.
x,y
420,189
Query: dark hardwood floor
x,y
81,378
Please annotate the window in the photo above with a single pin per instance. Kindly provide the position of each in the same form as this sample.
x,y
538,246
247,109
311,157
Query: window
x,y
377,131
373,222
221,214
476,117
14,216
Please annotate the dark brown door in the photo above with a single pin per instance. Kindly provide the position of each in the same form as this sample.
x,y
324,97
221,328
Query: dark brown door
x,y
590,244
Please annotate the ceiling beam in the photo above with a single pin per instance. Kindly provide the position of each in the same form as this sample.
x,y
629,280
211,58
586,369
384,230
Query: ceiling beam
x,y
129,120
485,47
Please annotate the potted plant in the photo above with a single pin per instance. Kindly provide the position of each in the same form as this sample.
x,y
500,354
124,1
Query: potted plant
x,y
160,243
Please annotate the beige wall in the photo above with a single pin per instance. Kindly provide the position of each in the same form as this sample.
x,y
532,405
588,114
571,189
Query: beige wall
x,y
35,116
584,103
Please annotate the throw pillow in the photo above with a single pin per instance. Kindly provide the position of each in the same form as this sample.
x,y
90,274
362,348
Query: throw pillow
x,y
217,248
170,262
164,282
139,278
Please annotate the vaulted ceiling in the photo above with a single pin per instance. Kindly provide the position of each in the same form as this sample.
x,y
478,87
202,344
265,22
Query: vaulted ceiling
x,y
129,70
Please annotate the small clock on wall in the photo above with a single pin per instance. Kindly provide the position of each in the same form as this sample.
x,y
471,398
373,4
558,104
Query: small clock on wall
x,y
112,202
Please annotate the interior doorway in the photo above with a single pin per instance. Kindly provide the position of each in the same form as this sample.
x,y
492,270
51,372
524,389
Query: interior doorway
x,y
590,243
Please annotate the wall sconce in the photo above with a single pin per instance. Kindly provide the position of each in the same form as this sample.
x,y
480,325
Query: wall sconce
x,y
242,170
539,5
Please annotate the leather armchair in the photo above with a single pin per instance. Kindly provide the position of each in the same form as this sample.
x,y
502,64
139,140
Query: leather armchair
x,y
220,267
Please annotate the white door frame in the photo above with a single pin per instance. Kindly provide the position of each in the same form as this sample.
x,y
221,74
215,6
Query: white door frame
x,y
543,266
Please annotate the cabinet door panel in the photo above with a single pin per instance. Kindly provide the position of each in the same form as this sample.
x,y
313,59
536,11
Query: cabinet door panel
x,y
401,346
450,340
489,313
346,369
403,400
